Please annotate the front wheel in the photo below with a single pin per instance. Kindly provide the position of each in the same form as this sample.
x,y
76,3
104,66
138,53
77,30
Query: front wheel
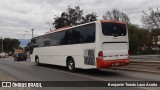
x,y
71,65
37,62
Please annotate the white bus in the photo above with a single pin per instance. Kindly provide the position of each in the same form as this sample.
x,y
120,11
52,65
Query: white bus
x,y
99,44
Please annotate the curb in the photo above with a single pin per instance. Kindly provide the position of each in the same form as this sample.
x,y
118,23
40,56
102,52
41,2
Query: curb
x,y
136,70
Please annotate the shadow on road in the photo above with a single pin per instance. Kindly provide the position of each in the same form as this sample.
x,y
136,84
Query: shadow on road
x,y
93,72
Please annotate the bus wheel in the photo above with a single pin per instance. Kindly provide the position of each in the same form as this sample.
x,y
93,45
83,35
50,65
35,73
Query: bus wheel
x,y
71,64
37,61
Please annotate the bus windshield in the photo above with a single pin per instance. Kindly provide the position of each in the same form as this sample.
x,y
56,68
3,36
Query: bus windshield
x,y
114,29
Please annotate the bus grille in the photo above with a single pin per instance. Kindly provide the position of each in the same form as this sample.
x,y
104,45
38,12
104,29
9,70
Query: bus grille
x,y
89,58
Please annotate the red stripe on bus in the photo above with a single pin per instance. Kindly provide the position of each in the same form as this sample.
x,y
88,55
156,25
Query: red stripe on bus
x,y
110,63
59,29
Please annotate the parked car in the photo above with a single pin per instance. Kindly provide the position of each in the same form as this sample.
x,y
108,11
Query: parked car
x,y
10,54
20,56
3,55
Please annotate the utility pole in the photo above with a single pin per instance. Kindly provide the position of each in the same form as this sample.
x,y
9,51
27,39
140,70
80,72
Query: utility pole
x,y
32,32
2,44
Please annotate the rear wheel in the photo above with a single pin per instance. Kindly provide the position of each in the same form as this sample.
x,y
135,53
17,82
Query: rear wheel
x,y
70,64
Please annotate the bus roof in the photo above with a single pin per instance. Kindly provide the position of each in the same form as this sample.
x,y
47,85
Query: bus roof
x,y
59,29
104,21
64,28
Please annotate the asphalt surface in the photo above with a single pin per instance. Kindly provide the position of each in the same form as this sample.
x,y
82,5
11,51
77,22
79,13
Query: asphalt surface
x,y
27,71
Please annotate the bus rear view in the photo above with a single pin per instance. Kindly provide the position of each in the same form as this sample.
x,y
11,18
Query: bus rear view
x,y
113,44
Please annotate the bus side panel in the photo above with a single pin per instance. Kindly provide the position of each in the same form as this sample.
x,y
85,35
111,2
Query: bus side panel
x,y
57,55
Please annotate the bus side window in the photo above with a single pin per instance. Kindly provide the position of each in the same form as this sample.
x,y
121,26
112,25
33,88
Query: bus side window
x,y
46,43
33,41
67,37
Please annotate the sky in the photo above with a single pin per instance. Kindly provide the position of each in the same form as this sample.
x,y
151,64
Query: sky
x,y
18,17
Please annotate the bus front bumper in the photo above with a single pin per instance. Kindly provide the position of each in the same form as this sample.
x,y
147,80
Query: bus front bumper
x,y
111,63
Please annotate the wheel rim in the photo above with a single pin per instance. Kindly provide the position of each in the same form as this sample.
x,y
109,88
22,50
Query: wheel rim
x,y
70,66
37,61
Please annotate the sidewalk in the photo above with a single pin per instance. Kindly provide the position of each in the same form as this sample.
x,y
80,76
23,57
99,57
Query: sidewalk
x,y
5,77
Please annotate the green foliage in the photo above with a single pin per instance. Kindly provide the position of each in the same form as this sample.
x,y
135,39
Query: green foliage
x,y
142,41
155,33
151,21
9,44
133,38
73,16
149,51
89,18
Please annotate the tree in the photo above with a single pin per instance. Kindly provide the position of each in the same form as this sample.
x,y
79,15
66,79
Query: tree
x,y
139,38
133,39
90,17
73,16
61,22
152,19
9,44
116,15
155,33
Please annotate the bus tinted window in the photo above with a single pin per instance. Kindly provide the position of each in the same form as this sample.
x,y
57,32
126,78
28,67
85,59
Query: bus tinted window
x,y
67,37
114,29
78,35
46,43
33,41
87,34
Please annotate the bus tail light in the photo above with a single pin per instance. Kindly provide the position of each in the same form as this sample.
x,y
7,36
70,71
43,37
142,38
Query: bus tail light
x,y
128,52
100,55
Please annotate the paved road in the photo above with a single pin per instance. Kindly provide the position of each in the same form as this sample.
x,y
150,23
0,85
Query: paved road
x,y
28,71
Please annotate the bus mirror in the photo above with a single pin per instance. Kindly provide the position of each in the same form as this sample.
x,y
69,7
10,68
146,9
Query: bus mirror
x,y
31,47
